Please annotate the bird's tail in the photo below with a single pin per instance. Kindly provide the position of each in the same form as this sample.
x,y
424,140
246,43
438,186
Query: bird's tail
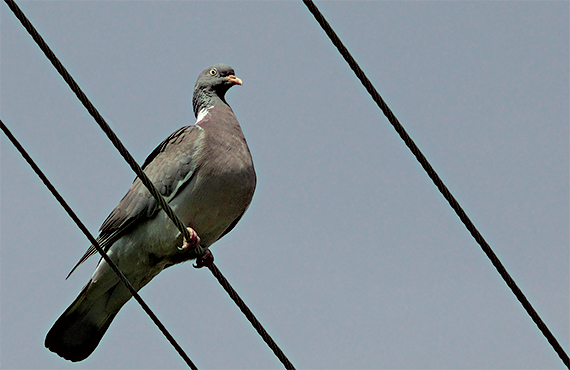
x,y
78,331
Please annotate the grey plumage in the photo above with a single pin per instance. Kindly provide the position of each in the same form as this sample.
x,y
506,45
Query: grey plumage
x,y
205,172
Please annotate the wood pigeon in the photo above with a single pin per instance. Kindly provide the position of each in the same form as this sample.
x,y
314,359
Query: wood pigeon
x,y
205,172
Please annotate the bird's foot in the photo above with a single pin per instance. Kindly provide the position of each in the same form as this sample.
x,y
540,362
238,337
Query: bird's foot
x,y
206,260
194,241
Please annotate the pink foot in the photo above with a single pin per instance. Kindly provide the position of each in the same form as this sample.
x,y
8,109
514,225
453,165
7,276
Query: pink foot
x,y
193,242
205,261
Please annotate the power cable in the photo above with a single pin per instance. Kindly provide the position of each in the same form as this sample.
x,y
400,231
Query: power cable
x,y
144,179
93,241
98,118
251,317
437,181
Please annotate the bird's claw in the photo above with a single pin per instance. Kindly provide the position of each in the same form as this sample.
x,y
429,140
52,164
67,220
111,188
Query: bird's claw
x,y
206,260
193,242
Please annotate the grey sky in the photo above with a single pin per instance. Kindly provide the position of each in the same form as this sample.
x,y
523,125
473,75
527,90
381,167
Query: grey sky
x,y
348,254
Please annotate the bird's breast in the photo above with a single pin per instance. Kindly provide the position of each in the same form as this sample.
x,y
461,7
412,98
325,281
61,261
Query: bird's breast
x,y
215,197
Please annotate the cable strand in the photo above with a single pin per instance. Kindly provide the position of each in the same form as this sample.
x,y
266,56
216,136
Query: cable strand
x,y
98,118
437,181
93,241
145,180
251,317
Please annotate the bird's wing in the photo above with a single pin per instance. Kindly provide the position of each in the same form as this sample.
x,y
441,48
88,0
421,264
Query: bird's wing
x,y
170,165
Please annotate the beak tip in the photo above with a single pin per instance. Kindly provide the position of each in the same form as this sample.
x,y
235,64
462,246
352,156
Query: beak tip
x,y
235,80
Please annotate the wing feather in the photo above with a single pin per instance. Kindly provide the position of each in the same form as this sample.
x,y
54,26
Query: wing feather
x,y
169,166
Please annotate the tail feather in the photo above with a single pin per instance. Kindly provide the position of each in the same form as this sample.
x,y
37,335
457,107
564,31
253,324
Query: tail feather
x,y
78,331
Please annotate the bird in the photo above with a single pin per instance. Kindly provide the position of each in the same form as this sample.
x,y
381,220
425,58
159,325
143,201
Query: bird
x,y
205,172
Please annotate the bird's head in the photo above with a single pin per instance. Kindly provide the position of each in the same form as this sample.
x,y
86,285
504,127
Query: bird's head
x,y
212,83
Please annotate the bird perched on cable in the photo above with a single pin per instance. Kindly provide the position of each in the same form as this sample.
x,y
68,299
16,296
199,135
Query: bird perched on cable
x,y
205,172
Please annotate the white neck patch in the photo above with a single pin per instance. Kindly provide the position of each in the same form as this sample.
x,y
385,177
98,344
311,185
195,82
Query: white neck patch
x,y
203,113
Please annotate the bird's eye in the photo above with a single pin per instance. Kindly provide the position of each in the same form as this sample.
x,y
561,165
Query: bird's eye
x,y
213,72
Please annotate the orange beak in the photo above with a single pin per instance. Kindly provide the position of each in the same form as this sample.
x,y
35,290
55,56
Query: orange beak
x,y
235,80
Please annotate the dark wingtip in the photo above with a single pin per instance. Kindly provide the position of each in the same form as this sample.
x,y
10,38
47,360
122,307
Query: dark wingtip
x,y
91,251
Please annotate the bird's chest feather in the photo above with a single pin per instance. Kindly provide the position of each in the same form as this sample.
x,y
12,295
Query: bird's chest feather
x,y
215,198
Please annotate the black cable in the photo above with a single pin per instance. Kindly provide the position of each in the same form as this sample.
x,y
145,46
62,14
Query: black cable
x,y
93,241
98,118
145,180
437,181
251,317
